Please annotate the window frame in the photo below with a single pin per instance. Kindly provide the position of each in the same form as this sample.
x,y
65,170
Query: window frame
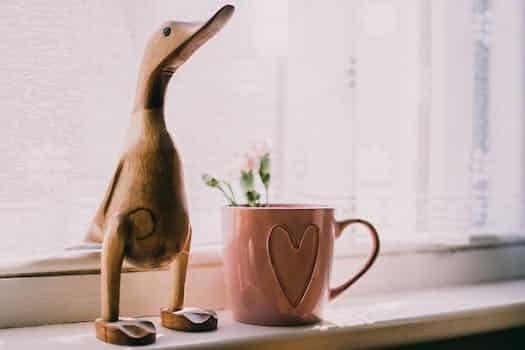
x,y
64,287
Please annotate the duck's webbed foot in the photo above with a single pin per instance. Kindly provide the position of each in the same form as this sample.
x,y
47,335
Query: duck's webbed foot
x,y
190,319
126,331
109,328
175,316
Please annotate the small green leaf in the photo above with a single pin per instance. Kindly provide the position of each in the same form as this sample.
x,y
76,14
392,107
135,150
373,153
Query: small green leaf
x,y
215,183
247,180
252,196
210,180
248,187
264,170
265,178
265,164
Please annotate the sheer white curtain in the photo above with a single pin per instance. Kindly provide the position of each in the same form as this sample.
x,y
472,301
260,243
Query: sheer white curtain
x,y
68,74
408,113
413,114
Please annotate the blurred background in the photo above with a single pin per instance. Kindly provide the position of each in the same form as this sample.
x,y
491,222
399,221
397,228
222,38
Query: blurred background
x,y
407,113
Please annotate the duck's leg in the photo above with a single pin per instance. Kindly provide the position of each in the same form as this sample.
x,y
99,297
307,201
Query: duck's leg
x,y
175,316
178,269
109,328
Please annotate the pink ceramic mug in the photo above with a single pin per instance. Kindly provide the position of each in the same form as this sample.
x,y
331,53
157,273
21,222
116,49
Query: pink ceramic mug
x,y
278,261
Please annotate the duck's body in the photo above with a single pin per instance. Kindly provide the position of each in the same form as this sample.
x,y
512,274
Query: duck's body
x,y
143,217
147,190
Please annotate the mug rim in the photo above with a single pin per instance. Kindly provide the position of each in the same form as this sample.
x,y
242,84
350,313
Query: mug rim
x,y
281,206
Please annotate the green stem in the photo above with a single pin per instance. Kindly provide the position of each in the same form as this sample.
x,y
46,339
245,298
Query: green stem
x,y
231,190
232,201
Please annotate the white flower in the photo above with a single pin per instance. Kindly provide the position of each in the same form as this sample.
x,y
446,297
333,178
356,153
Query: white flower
x,y
261,149
250,162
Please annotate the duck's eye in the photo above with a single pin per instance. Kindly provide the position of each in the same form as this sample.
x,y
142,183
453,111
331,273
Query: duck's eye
x,y
166,31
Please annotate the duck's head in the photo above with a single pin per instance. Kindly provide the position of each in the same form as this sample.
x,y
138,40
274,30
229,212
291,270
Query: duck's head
x,y
168,48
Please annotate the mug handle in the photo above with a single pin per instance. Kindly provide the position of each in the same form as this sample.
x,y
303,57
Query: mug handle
x,y
339,227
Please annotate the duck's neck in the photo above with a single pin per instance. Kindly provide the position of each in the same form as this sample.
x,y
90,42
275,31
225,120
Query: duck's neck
x,y
144,120
145,124
151,89
147,119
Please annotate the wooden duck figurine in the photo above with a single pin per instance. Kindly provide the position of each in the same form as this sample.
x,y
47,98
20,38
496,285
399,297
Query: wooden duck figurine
x,y
144,215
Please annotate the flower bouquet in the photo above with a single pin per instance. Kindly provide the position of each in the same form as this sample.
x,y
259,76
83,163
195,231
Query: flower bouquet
x,y
255,167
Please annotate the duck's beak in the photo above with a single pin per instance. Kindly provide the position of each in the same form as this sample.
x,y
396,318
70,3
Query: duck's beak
x,y
194,35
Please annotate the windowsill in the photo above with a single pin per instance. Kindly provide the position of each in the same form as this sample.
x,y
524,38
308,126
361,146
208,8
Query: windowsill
x,y
66,287
388,319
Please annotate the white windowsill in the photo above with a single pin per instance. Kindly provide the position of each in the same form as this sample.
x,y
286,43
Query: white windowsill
x,y
388,319
66,287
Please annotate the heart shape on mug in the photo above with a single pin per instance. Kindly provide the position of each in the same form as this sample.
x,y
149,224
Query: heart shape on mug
x,y
293,259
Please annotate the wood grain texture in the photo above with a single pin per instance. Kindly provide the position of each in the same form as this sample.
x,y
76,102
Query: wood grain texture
x,y
126,332
143,217
189,320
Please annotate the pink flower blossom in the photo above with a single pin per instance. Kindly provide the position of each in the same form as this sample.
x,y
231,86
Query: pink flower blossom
x,y
261,149
250,162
